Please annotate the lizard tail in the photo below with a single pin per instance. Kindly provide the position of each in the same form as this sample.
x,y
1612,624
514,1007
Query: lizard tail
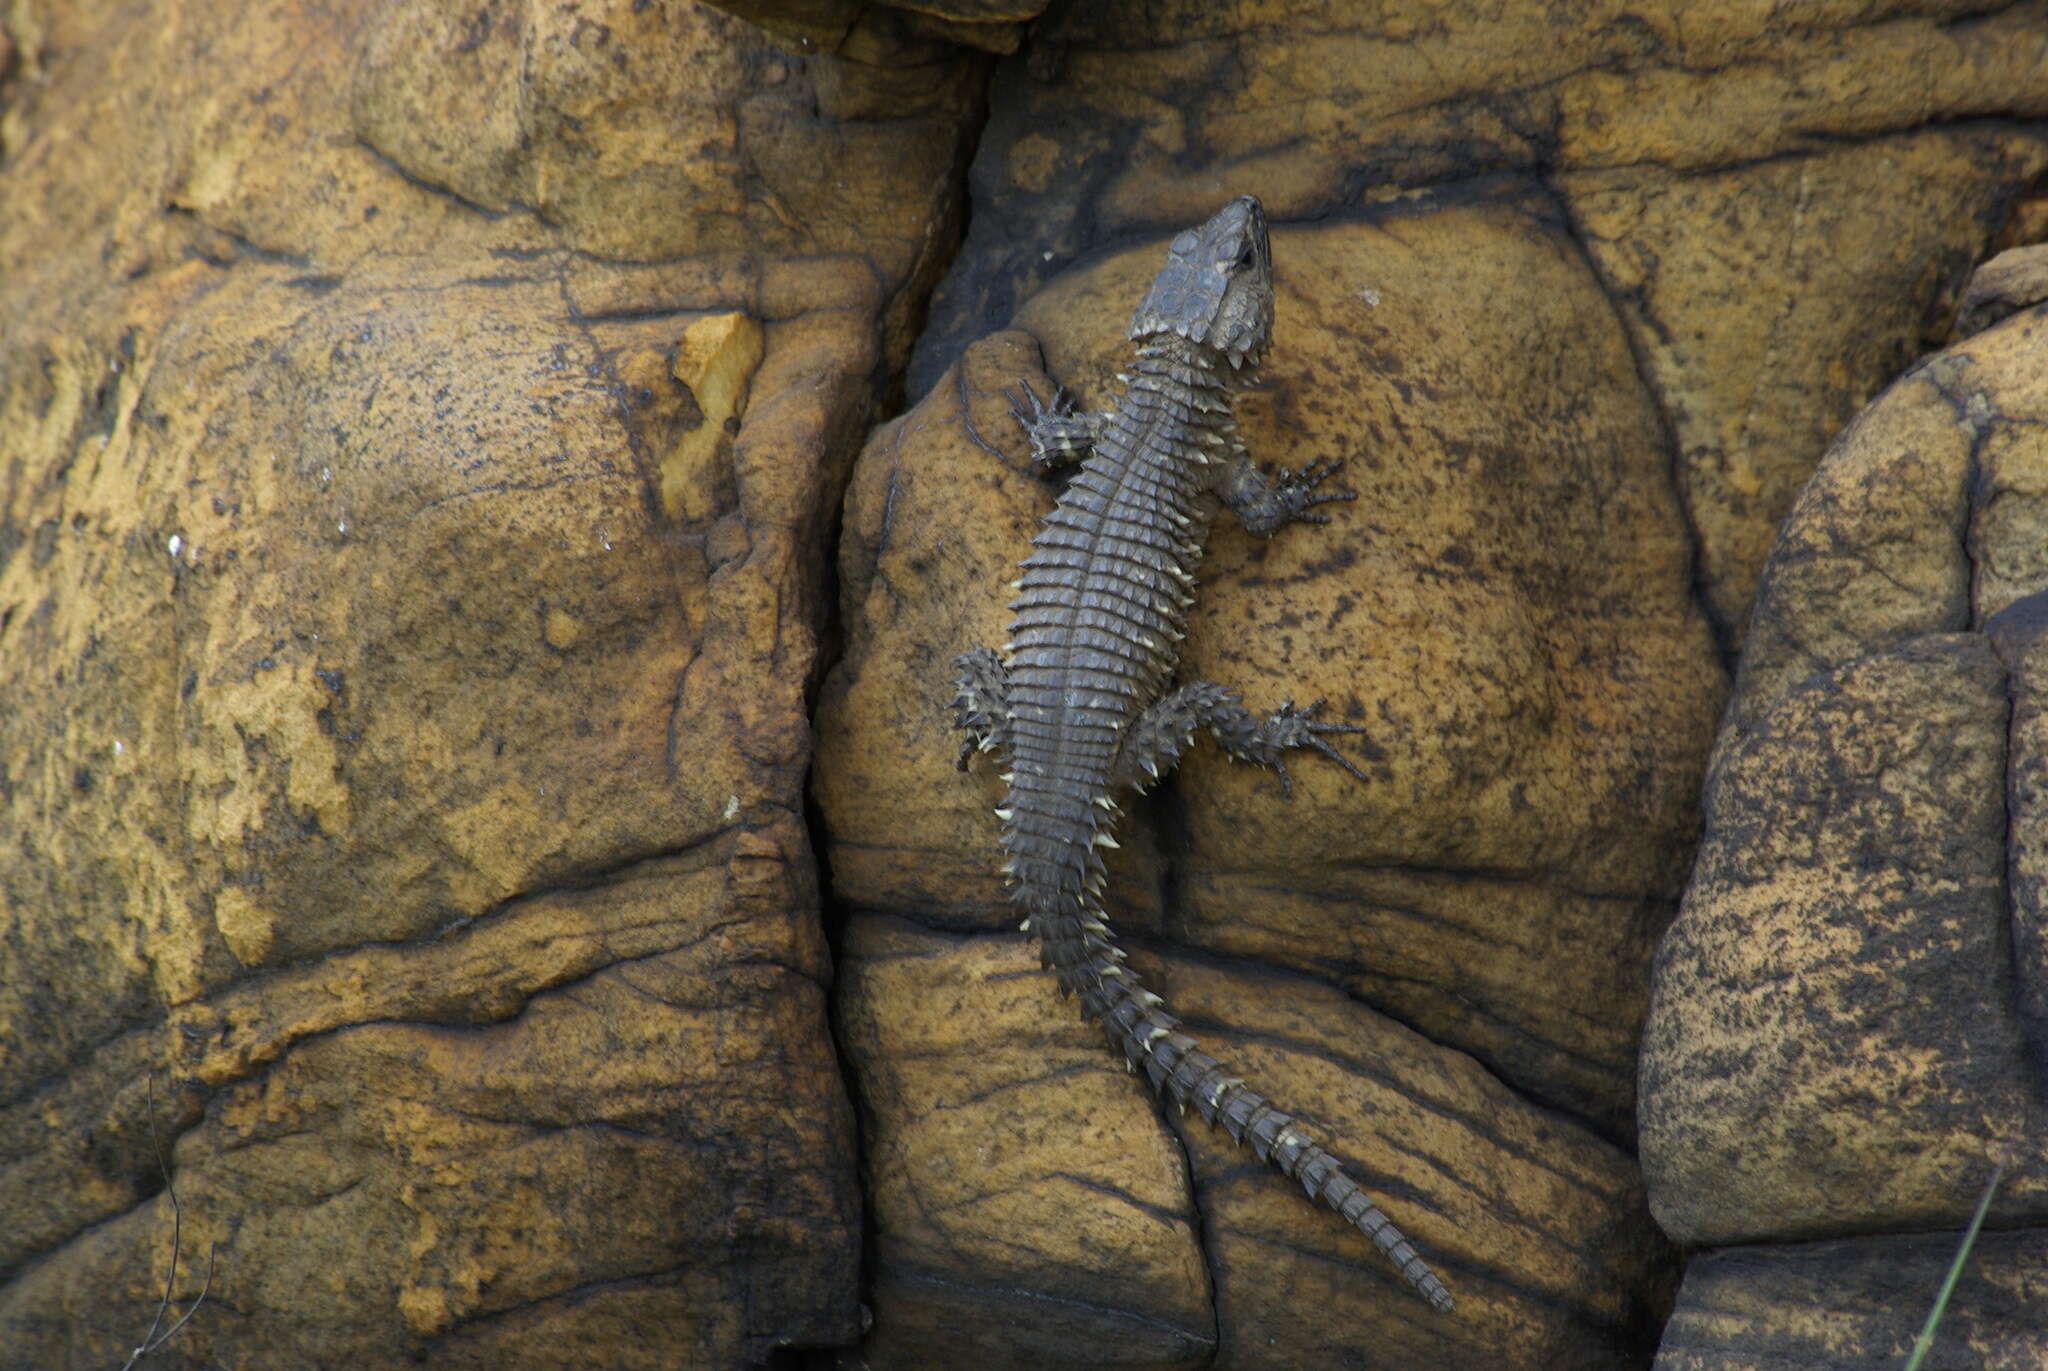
x,y
1078,949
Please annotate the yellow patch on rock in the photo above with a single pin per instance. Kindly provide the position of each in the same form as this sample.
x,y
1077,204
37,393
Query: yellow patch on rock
x,y
716,359
562,630
1033,159
246,926
259,726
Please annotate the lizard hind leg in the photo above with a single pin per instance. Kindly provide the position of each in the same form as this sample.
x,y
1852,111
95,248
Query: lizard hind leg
x,y
1267,741
1159,736
981,703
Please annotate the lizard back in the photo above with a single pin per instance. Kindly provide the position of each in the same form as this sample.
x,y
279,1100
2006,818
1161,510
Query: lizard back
x,y
1099,620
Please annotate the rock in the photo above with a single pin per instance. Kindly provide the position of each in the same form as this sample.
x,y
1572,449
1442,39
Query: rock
x,y
1858,1301
1834,1042
2010,282
1031,1208
423,430
886,34
1846,1034
1514,569
1016,1177
1770,301
1782,209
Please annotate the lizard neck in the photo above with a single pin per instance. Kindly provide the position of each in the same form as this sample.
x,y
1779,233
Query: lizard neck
x,y
1170,366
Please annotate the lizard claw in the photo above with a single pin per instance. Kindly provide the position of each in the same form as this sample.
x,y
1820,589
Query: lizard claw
x,y
1030,411
1026,406
1318,726
1288,498
1286,781
1334,755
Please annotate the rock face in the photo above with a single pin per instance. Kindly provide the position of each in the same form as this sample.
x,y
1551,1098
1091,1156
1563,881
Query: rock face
x,y
862,30
1031,1207
1847,1032
1497,886
418,431
443,892
2002,287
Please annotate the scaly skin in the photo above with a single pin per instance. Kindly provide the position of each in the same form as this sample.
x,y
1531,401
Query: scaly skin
x,y
1084,708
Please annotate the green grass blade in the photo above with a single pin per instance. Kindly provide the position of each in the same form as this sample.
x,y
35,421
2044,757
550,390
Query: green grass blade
x,y
1925,1343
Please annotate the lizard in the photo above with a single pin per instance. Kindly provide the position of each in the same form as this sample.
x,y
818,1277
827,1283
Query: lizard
x,y
1084,709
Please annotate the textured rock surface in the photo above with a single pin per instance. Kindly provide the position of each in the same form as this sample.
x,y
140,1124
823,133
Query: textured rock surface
x,y
1753,184
970,1078
1769,301
1835,1043
1846,1035
1029,1202
2010,282
418,430
1500,892
886,34
450,874
1860,1302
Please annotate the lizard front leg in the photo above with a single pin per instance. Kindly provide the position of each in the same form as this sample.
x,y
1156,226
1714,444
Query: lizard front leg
x,y
981,705
1059,436
1265,505
1153,744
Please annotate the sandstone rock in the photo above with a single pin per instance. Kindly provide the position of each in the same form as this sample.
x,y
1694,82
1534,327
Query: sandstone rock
x,y
1770,301
1514,569
1846,1034
422,429
1834,1042
1031,1208
887,34
2010,282
1859,1302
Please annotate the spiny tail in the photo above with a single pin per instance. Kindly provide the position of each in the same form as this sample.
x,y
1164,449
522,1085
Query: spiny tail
x,y
1078,949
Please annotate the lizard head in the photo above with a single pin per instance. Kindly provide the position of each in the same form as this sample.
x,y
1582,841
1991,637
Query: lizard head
x,y
1216,288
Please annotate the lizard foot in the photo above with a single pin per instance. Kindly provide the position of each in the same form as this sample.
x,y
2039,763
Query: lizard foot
x,y
981,703
1288,728
1296,494
1059,436
1265,505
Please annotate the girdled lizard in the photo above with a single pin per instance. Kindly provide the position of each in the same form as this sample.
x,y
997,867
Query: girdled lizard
x,y
1085,708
